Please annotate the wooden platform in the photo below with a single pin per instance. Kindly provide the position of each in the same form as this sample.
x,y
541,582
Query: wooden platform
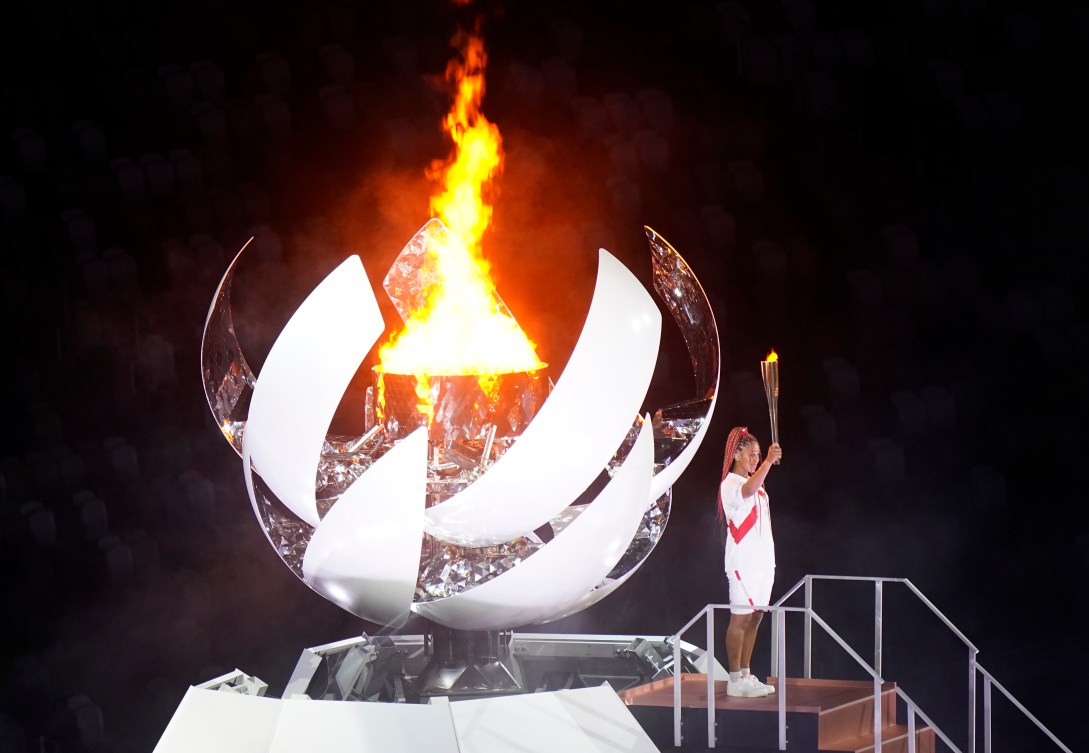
x,y
822,716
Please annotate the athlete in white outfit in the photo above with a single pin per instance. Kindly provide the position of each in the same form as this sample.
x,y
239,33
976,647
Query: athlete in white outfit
x,y
750,553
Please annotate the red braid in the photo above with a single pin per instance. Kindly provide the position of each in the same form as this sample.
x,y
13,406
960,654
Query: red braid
x,y
739,437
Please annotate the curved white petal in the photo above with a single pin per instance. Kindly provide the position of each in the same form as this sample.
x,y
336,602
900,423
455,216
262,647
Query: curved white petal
x,y
578,428
303,380
590,598
365,555
563,570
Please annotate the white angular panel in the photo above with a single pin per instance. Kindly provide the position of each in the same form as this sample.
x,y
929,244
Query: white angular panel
x,y
212,720
564,569
606,720
303,380
587,720
577,430
365,555
341,726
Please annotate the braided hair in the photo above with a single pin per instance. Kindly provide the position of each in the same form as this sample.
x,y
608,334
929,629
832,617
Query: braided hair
x,y
738,439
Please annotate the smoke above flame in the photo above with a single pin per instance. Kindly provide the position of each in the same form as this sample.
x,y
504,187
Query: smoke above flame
x,y
464,327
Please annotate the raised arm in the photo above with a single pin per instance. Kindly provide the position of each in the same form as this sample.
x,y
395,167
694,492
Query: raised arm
x,y
756,480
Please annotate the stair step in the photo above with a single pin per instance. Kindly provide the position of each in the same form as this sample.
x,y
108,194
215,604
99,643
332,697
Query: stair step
x,y
894,739
853,718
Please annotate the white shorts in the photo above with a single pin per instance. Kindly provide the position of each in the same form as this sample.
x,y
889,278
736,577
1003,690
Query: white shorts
x,y
750,589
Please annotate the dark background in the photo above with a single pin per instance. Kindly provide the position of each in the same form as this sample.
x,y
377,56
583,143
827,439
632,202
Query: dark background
x,y
894,198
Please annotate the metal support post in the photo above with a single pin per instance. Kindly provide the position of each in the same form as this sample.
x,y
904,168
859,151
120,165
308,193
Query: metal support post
x,y
780,649
710,677
972,652
877,747
878,618
677,679
774,648
808,650
911,728
986,714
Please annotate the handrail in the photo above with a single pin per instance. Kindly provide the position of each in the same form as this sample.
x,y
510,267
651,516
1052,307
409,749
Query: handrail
x,y
948,623
877,678
877,579
988,679
790,593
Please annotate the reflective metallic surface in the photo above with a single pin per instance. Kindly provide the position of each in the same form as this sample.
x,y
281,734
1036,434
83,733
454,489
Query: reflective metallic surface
x,y
459,408
411,275
228,380
288,535
683,295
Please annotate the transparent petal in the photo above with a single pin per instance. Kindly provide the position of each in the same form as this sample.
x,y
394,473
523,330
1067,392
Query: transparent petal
x,y
228,379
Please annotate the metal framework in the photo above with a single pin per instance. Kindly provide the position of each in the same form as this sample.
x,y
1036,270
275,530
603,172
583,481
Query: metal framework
x,y
778,666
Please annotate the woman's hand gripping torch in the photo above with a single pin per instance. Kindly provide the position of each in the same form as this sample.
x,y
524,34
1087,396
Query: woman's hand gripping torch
x,y
769,371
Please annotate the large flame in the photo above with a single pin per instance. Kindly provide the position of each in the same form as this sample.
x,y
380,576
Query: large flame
x,y
463,328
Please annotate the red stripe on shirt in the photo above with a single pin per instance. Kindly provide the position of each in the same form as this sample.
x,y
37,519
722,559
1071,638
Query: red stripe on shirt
x,y
738,532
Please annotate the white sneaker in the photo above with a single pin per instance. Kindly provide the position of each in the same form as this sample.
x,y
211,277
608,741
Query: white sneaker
x,y
744,689
768,689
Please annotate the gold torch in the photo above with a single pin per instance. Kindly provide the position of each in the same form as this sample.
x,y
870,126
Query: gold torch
x,y
769,371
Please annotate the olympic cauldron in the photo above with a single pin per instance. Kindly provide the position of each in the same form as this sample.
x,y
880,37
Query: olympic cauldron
x,y
479,502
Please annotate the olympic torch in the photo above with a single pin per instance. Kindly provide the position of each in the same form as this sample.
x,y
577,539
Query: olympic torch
x,y
769,371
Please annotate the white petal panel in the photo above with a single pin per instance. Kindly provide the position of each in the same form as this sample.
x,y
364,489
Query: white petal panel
x,y
590,598
365,555
303,380
577,430
563,570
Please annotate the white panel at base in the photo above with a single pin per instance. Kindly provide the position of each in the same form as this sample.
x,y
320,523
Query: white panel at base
x,y
209,720
564,569
303,380
335,726
365,555
566,721
606,720
577,430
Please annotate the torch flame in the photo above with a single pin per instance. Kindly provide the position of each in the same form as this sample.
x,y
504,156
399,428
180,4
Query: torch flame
x,y
478,153
772,357
463,328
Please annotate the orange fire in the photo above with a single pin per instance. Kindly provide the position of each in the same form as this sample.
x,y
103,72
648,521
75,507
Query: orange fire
x,y
464,327
772,357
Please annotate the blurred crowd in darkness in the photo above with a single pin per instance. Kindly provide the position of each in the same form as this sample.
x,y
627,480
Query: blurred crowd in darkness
x,y
894,198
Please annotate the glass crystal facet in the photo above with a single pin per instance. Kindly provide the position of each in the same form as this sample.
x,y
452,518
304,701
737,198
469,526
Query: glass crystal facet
x,y
414,273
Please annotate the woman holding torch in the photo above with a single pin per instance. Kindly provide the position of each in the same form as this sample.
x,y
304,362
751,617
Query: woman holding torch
x,y
750,552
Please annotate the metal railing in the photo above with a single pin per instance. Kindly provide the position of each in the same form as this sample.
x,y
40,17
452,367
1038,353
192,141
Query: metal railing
x,y
778,666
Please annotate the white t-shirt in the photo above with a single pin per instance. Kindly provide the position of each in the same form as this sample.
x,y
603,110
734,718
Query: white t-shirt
x,y
749,544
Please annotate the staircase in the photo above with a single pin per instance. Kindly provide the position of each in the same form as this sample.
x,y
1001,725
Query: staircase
x,y
809,714
822,716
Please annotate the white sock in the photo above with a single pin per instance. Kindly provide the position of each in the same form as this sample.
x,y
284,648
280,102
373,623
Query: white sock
x,y
745,672
735,676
